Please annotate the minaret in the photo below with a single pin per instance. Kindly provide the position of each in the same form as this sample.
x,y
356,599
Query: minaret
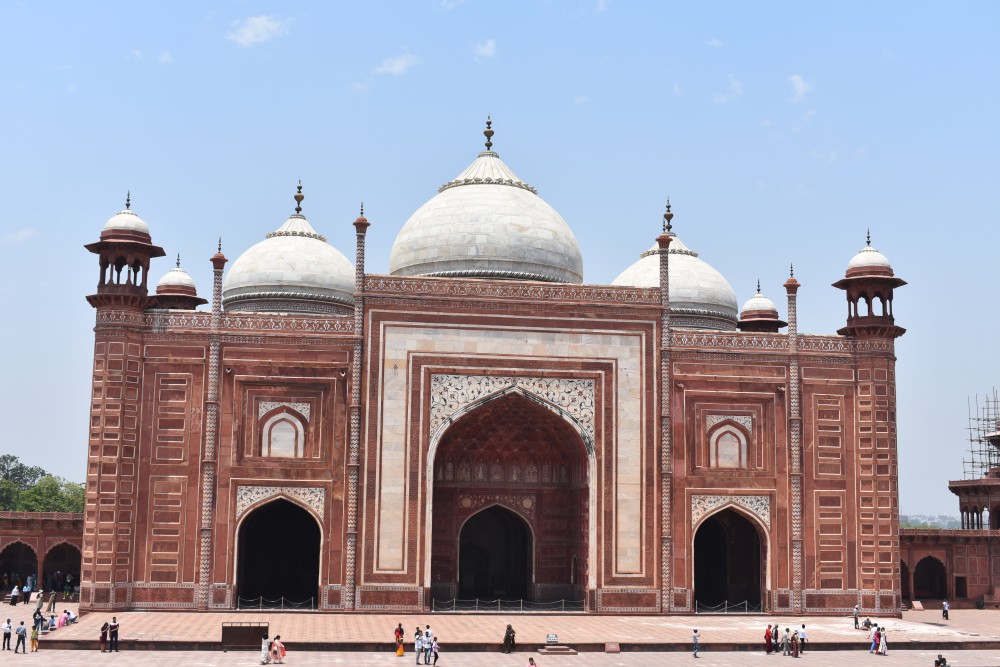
x,y
125,249
869,282
666,449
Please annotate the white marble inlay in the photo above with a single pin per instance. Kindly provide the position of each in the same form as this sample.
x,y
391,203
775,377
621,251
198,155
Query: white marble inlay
x,y
702,505
267,406
313,497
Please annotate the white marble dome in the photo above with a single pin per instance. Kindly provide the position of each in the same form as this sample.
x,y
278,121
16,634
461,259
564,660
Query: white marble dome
x,y
126,221
293,270
869,257
758,303
176,278
487,223
700,296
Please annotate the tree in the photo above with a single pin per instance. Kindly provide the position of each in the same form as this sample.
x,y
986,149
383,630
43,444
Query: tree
x,y
52,494
22,476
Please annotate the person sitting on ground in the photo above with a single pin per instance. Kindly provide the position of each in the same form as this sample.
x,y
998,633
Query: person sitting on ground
x,y
940,661
71,617
53,624
867,625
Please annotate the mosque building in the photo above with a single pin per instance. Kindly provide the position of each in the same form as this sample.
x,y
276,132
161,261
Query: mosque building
x,y
480,424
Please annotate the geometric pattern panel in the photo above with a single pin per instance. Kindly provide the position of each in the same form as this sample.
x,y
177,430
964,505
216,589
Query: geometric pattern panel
x,y
759,506
246,496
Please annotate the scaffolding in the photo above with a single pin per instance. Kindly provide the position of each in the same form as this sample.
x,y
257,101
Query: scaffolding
x,y
984,436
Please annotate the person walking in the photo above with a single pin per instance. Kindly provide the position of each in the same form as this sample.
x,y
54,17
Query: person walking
x,y
883,643
34,639
857,611
786,643
694,641
22,637
113,635
278,650
802,639
873,635
418,644
767,640
434,650
26,591
398,634
15,594
52,602
428,644
945,607
39,600
8,628
104,636
509,639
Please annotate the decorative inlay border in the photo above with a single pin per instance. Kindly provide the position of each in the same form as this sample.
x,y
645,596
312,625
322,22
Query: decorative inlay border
x,y
314,497
759,506
266,406
507,290
743,420
163,320
452,393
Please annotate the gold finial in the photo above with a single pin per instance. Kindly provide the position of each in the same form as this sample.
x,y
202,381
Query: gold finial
x,y
178,260
489,133
667,217
298,198
128,200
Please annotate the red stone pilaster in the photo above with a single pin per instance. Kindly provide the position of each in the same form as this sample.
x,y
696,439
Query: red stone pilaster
x,y
354,458
666,470
795,441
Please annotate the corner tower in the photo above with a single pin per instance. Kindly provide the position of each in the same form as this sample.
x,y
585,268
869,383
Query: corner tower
x,y
869,282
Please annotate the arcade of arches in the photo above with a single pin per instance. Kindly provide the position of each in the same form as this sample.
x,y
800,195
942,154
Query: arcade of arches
x,y
18,560
510,506
729,561
278,557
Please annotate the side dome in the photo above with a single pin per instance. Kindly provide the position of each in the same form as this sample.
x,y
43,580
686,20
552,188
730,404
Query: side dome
x,y
869,261
125,225
487,223
760,314
294,269
700,296
176,290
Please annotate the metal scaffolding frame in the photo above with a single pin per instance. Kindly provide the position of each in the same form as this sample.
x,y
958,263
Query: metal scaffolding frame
x,y
984,436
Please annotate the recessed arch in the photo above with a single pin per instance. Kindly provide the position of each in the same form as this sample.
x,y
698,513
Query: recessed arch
x,y
283,432
63,557
19,559
728,446
495,555
278,555
537,469
731,559
930,579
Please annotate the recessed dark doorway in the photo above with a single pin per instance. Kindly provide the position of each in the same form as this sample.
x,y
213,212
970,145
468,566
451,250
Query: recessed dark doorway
x,y
18,560
278,558
727,565
494,559
63,558
930,581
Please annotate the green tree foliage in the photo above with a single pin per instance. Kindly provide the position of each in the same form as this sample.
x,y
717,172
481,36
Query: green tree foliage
x,y
31,489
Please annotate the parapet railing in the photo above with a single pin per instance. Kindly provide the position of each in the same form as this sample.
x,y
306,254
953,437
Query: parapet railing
x,y
728,607
280,603
506,606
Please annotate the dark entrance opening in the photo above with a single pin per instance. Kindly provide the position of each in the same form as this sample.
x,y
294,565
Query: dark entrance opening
x,y
494,561
930,579
727,565
278,558
18,561
63,558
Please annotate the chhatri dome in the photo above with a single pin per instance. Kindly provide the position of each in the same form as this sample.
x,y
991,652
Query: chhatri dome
x,y
700,296
176,290
487,223
760,314
125,221
869,261
294,269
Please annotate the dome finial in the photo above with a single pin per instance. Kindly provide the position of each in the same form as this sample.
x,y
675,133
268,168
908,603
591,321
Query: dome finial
x,y
298,198
667,217
758,286
362,209
128,200
178,260
489,133
791,270
868,238
220,244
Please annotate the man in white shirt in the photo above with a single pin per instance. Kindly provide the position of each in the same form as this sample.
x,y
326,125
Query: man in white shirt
x,y
428,645
802,638
7,629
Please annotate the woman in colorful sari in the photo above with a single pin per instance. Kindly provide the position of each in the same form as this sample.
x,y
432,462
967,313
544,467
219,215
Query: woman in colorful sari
x,y
277,650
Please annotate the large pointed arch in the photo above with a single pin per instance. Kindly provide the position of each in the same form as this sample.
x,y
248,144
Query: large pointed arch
x,y
717,519
584,452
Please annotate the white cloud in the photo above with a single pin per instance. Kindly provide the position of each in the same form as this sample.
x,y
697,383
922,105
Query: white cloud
x,y
799,87
397,64
164,57
602,6
581,99
714,43
20,236
677,88
257,30
487,49
734,91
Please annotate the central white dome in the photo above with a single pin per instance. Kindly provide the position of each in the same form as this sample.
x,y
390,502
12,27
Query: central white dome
x,y
487,223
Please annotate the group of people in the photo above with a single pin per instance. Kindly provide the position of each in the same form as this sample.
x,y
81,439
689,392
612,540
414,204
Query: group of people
x,y
38,625
21,589
272,650
790,643
425,644
109,635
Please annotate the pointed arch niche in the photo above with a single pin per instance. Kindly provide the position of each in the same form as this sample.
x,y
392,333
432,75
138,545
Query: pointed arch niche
x,y
513,449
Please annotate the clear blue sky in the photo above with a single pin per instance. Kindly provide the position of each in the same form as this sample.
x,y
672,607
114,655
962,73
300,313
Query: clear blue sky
x,y
781,132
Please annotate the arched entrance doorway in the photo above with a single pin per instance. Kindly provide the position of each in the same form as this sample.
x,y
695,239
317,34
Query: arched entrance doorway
x,y
510,487
494,557
729,564
930,580
61,560
278,558
18,560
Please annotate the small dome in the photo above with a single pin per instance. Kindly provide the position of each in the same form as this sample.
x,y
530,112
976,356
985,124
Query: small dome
x,y
293,270
758,303
869,261
487,223
125,223
760,314
176,280
700,296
